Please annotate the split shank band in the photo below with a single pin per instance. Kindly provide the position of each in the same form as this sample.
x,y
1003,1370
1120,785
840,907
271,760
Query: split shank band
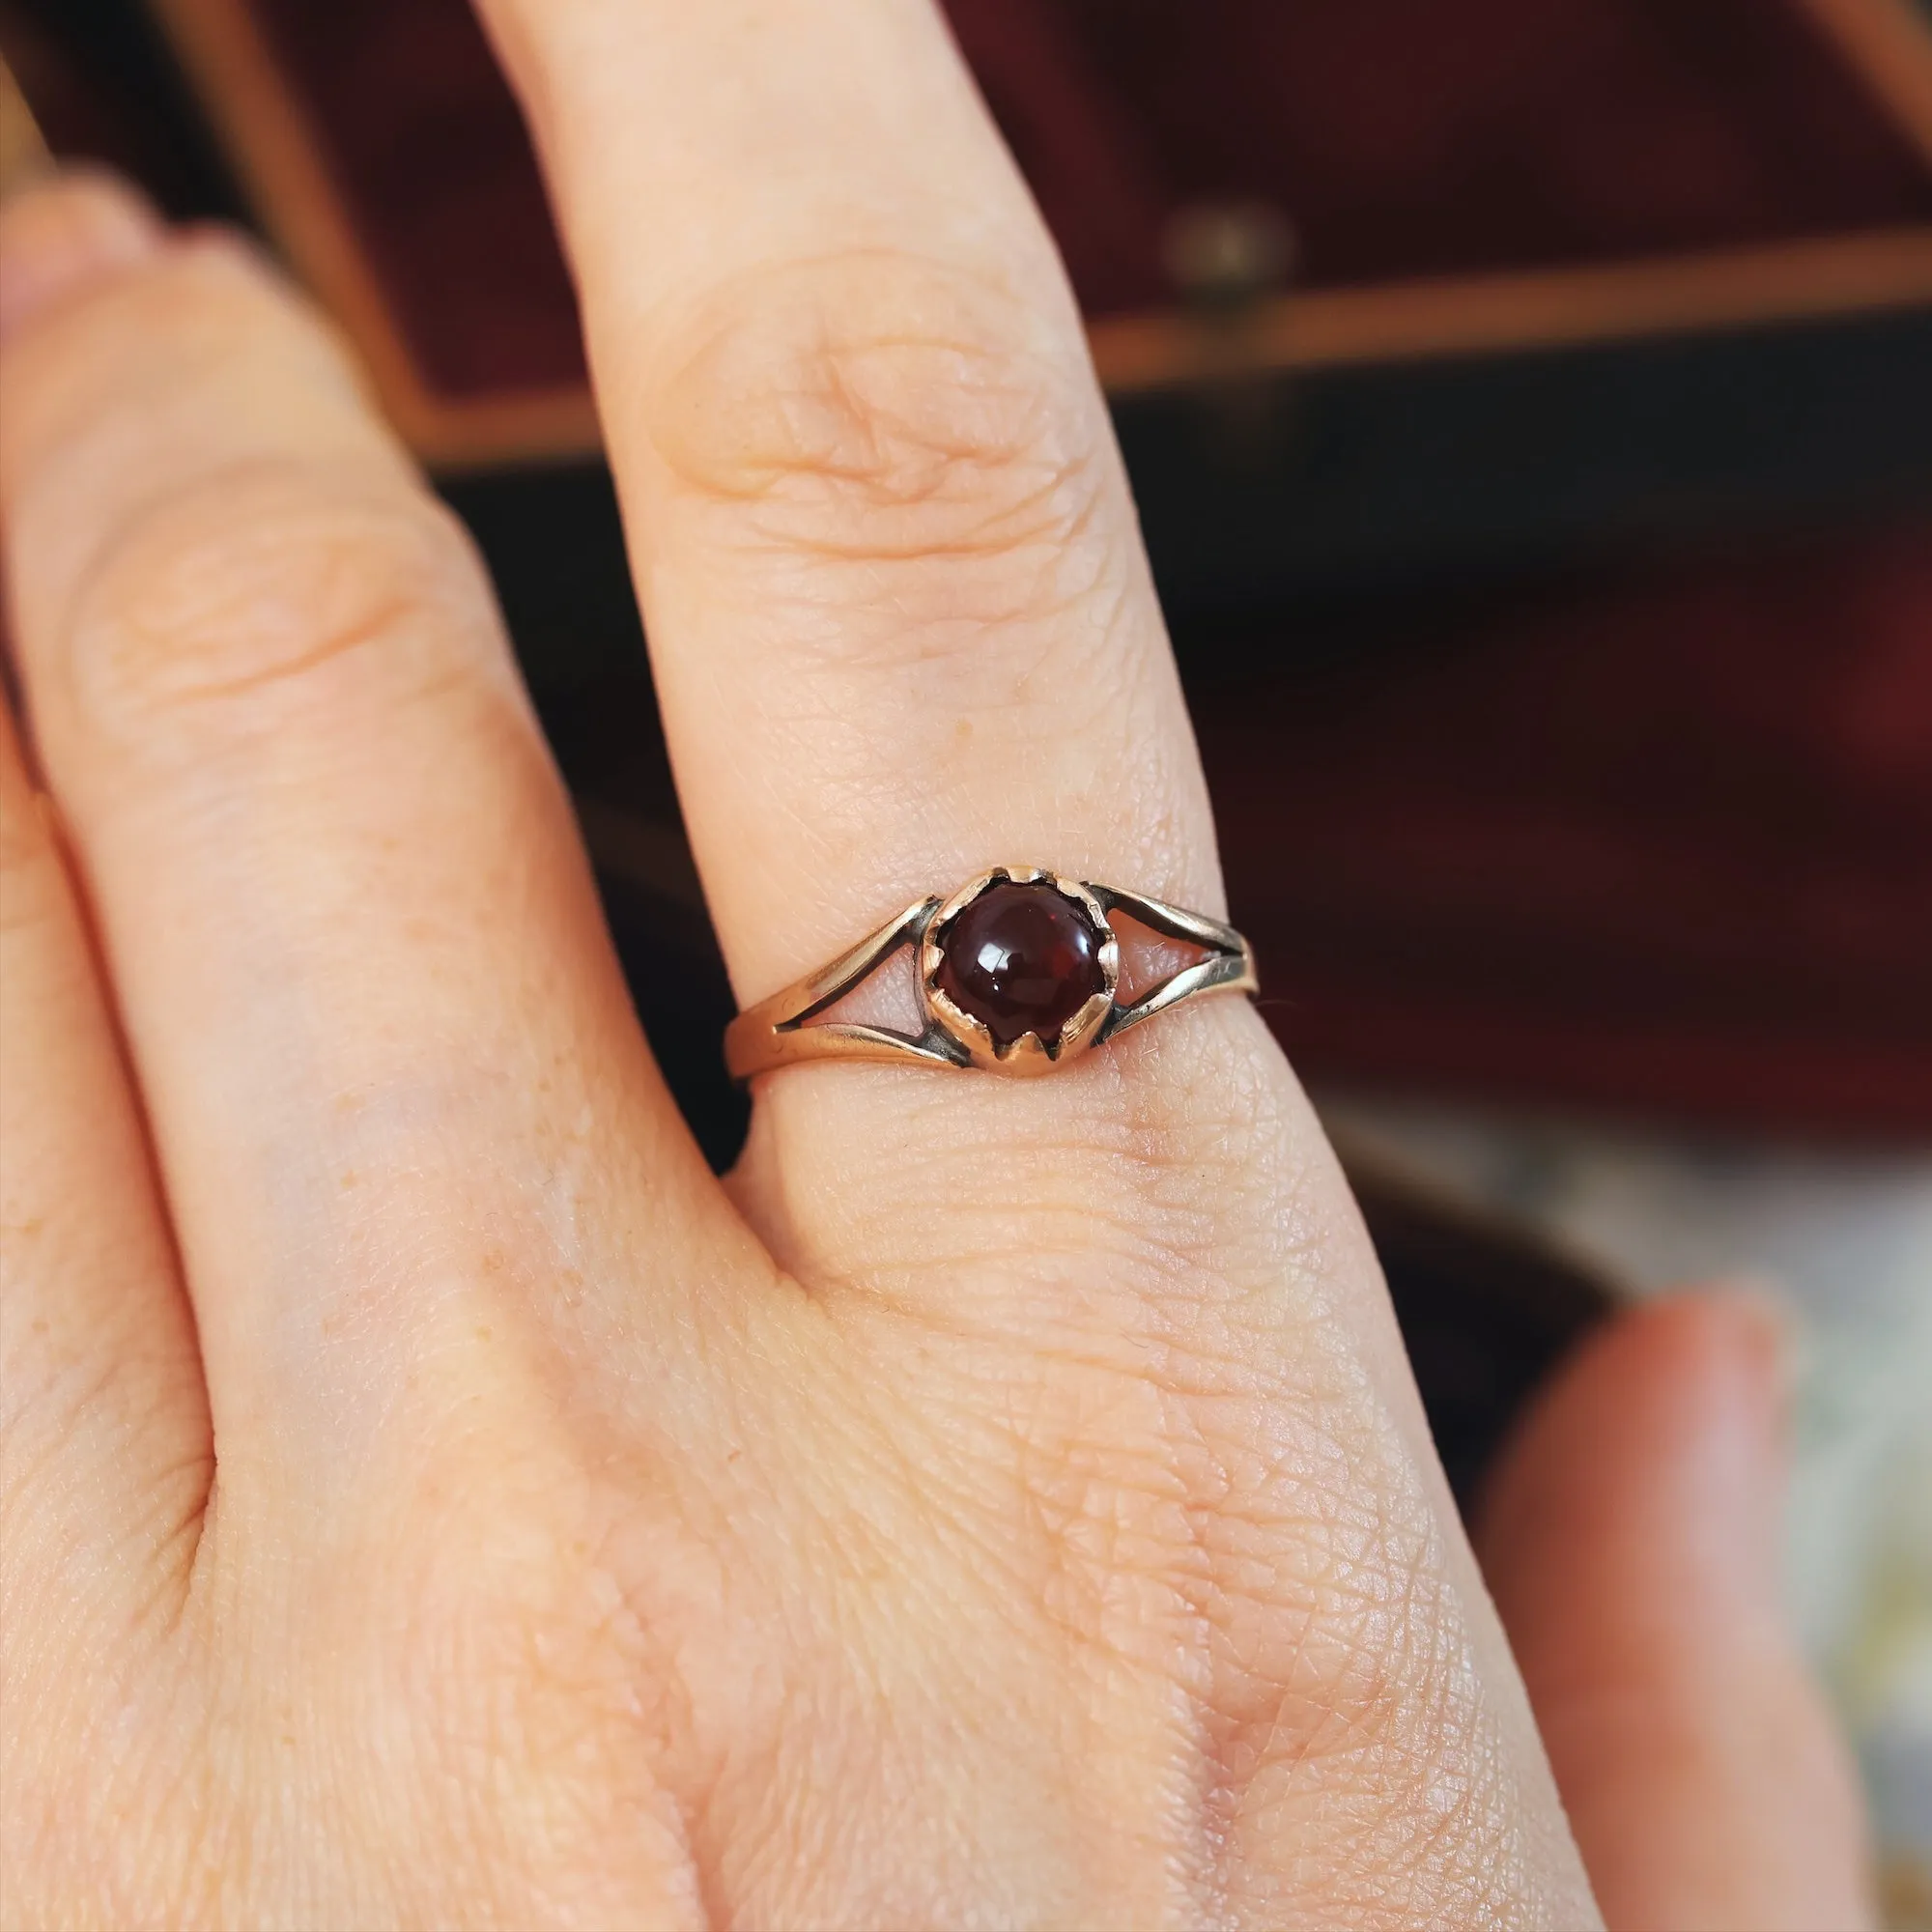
x,y
1018,974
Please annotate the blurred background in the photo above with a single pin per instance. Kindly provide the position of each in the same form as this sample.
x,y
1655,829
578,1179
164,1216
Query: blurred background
x,y
1530,408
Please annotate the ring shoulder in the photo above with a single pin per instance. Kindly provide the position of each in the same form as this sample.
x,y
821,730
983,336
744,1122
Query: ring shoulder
x,y
776,1031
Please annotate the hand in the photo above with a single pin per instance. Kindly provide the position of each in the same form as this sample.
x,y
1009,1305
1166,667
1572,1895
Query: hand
x,y
431,1499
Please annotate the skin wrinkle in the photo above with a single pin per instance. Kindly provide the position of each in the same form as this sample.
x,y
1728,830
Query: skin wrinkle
x,y
1043,509
554,1710
897,1453
178,611
135,1795
1139,1188
1113,1484
70,1387
919,379
923,669
1124,1552
553,1641
31,1455
1372,1710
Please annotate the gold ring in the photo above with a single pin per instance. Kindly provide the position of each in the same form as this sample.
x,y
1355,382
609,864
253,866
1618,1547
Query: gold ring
x,y
1019,973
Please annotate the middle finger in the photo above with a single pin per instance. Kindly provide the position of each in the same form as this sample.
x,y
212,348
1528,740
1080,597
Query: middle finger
x,y
398,1099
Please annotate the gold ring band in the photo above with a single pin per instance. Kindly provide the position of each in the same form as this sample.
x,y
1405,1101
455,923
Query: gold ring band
x,y
1019,973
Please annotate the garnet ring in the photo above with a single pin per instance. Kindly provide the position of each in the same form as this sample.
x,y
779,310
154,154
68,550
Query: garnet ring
x,y
1018,972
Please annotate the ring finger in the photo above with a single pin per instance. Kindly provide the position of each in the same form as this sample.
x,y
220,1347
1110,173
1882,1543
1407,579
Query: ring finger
x,y
901,624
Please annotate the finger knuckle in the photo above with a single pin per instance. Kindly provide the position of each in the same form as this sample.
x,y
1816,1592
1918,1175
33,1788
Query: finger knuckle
x,y
247,592
874,408
87,394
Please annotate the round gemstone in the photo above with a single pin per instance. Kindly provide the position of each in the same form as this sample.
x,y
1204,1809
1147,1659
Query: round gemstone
x,y
1021,960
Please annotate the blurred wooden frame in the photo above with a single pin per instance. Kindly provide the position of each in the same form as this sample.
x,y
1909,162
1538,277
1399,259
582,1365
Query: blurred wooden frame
x,y
1887,42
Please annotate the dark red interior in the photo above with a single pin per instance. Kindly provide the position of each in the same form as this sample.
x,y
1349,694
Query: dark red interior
x,y
1659,839
1398,138
407,106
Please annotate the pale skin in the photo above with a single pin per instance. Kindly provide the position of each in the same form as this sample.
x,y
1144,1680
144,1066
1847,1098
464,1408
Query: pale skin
x,y
431,1498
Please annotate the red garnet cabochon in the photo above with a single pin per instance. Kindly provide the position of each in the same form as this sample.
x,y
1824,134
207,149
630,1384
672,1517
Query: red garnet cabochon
x,y
1021,960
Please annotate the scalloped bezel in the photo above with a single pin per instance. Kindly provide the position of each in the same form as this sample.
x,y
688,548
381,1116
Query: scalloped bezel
x,y
1029,1054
